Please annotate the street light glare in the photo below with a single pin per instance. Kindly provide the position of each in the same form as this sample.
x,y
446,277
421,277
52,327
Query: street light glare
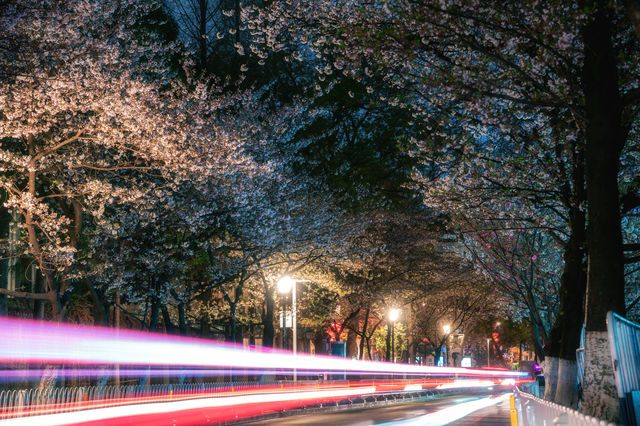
x,y
394,314
446,329
285,284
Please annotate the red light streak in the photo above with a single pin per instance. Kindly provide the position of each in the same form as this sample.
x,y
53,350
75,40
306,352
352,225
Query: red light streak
x,y
71,346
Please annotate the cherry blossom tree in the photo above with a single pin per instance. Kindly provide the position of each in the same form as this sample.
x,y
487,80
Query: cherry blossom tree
x,y
525,266
487,60
93,118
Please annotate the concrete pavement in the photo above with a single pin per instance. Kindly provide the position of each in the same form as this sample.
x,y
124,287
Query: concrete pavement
x,y
412,413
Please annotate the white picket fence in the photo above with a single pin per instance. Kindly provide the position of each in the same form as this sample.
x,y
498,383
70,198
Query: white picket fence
x,y
534,411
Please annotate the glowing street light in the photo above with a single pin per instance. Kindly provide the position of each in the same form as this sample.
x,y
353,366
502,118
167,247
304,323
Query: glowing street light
x,y
285,285
447,329
394,314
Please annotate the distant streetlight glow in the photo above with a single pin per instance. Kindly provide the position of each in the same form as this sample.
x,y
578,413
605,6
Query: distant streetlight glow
x,y
394,314
447,329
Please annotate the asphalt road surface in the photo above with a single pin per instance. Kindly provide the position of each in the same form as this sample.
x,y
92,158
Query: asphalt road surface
x,y
412,413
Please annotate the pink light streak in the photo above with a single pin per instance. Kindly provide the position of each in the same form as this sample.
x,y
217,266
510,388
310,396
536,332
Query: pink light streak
x,y
57,343
193,411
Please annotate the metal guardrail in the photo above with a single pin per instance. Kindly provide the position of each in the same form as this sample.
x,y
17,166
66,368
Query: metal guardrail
x,y
19,403
532,411
533,388
24,403
580,364
624,343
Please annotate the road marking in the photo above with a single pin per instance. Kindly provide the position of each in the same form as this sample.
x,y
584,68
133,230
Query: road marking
x,y
452,413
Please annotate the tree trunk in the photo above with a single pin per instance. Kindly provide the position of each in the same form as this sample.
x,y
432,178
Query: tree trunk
x,y
4,269
182,319
204,326
605,139
566,392
51,287
5,233
155,314
100,315
410,344
166,319
36,282
538,344
364,340
550,377
352,344
520,353
267,321
233,324
319,342
564,337
600,395
387,354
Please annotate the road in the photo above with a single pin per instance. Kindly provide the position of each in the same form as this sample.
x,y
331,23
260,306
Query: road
x,y
447,410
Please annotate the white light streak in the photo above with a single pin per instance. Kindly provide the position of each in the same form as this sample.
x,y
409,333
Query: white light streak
x,y
450,414
176,406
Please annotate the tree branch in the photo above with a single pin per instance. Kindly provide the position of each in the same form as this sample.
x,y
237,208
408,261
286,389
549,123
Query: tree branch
x,y
25,295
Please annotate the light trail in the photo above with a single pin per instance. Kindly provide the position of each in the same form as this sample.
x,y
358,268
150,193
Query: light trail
x,y
8,375
450,414
292,390
81,351
56,343
457,384
193,411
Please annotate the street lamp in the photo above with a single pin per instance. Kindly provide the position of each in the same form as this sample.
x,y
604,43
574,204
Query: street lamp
x,y
285,285
394,314
447,330
488,362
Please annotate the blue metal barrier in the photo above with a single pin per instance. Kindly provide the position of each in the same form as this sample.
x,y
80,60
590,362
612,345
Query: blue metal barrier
x,y
580,366
624,342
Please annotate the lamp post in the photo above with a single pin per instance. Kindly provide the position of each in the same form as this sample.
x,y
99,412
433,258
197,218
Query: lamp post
x,y
287,284
447,330
394,314
284,323
488,362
